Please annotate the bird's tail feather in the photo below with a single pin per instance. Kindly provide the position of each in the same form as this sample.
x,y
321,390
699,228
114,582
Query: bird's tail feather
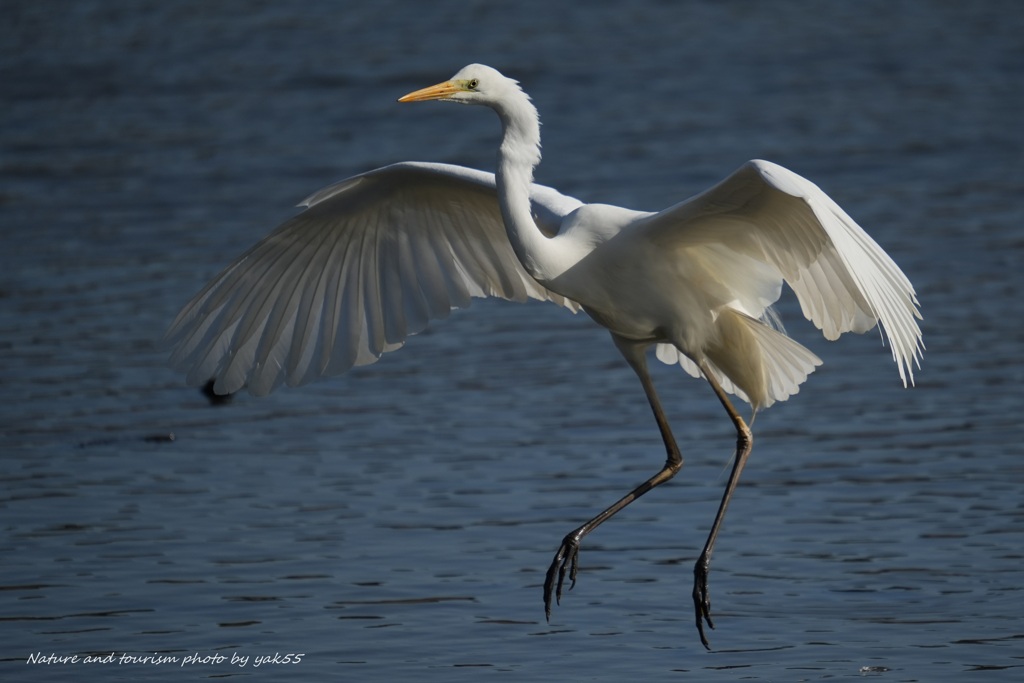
x,y
752,361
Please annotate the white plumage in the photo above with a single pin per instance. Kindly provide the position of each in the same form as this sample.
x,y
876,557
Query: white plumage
x,y
373,259
370,261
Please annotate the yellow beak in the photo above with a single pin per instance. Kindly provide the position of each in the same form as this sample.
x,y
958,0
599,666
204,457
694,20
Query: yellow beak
x,y
434,92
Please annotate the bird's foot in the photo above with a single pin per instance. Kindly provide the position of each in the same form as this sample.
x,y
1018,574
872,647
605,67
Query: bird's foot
x,y
567,559
701,598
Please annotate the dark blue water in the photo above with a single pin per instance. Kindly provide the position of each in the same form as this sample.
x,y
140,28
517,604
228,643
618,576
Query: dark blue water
x,y
394,523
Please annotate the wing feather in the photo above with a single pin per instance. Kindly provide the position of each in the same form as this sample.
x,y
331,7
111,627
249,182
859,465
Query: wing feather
x,y
843,279
369,262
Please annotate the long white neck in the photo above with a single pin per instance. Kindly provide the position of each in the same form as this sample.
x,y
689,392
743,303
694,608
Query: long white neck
x,y
518,155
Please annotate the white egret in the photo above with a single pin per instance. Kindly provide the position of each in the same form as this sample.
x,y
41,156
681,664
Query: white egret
x,y
372,259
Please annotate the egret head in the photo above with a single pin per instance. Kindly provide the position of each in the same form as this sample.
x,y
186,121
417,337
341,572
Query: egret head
x,y
473,84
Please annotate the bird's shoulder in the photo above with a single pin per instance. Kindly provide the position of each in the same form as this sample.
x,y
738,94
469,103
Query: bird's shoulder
x,y
599,223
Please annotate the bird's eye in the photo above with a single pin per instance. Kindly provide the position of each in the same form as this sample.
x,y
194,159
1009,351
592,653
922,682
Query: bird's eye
x,y
472,84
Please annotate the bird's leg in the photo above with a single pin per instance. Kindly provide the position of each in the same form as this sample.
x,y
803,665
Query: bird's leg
x,y
744,443
567,557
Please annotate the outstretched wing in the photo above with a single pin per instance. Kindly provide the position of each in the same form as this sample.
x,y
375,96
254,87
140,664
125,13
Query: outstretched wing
x,y
842,278
370,261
